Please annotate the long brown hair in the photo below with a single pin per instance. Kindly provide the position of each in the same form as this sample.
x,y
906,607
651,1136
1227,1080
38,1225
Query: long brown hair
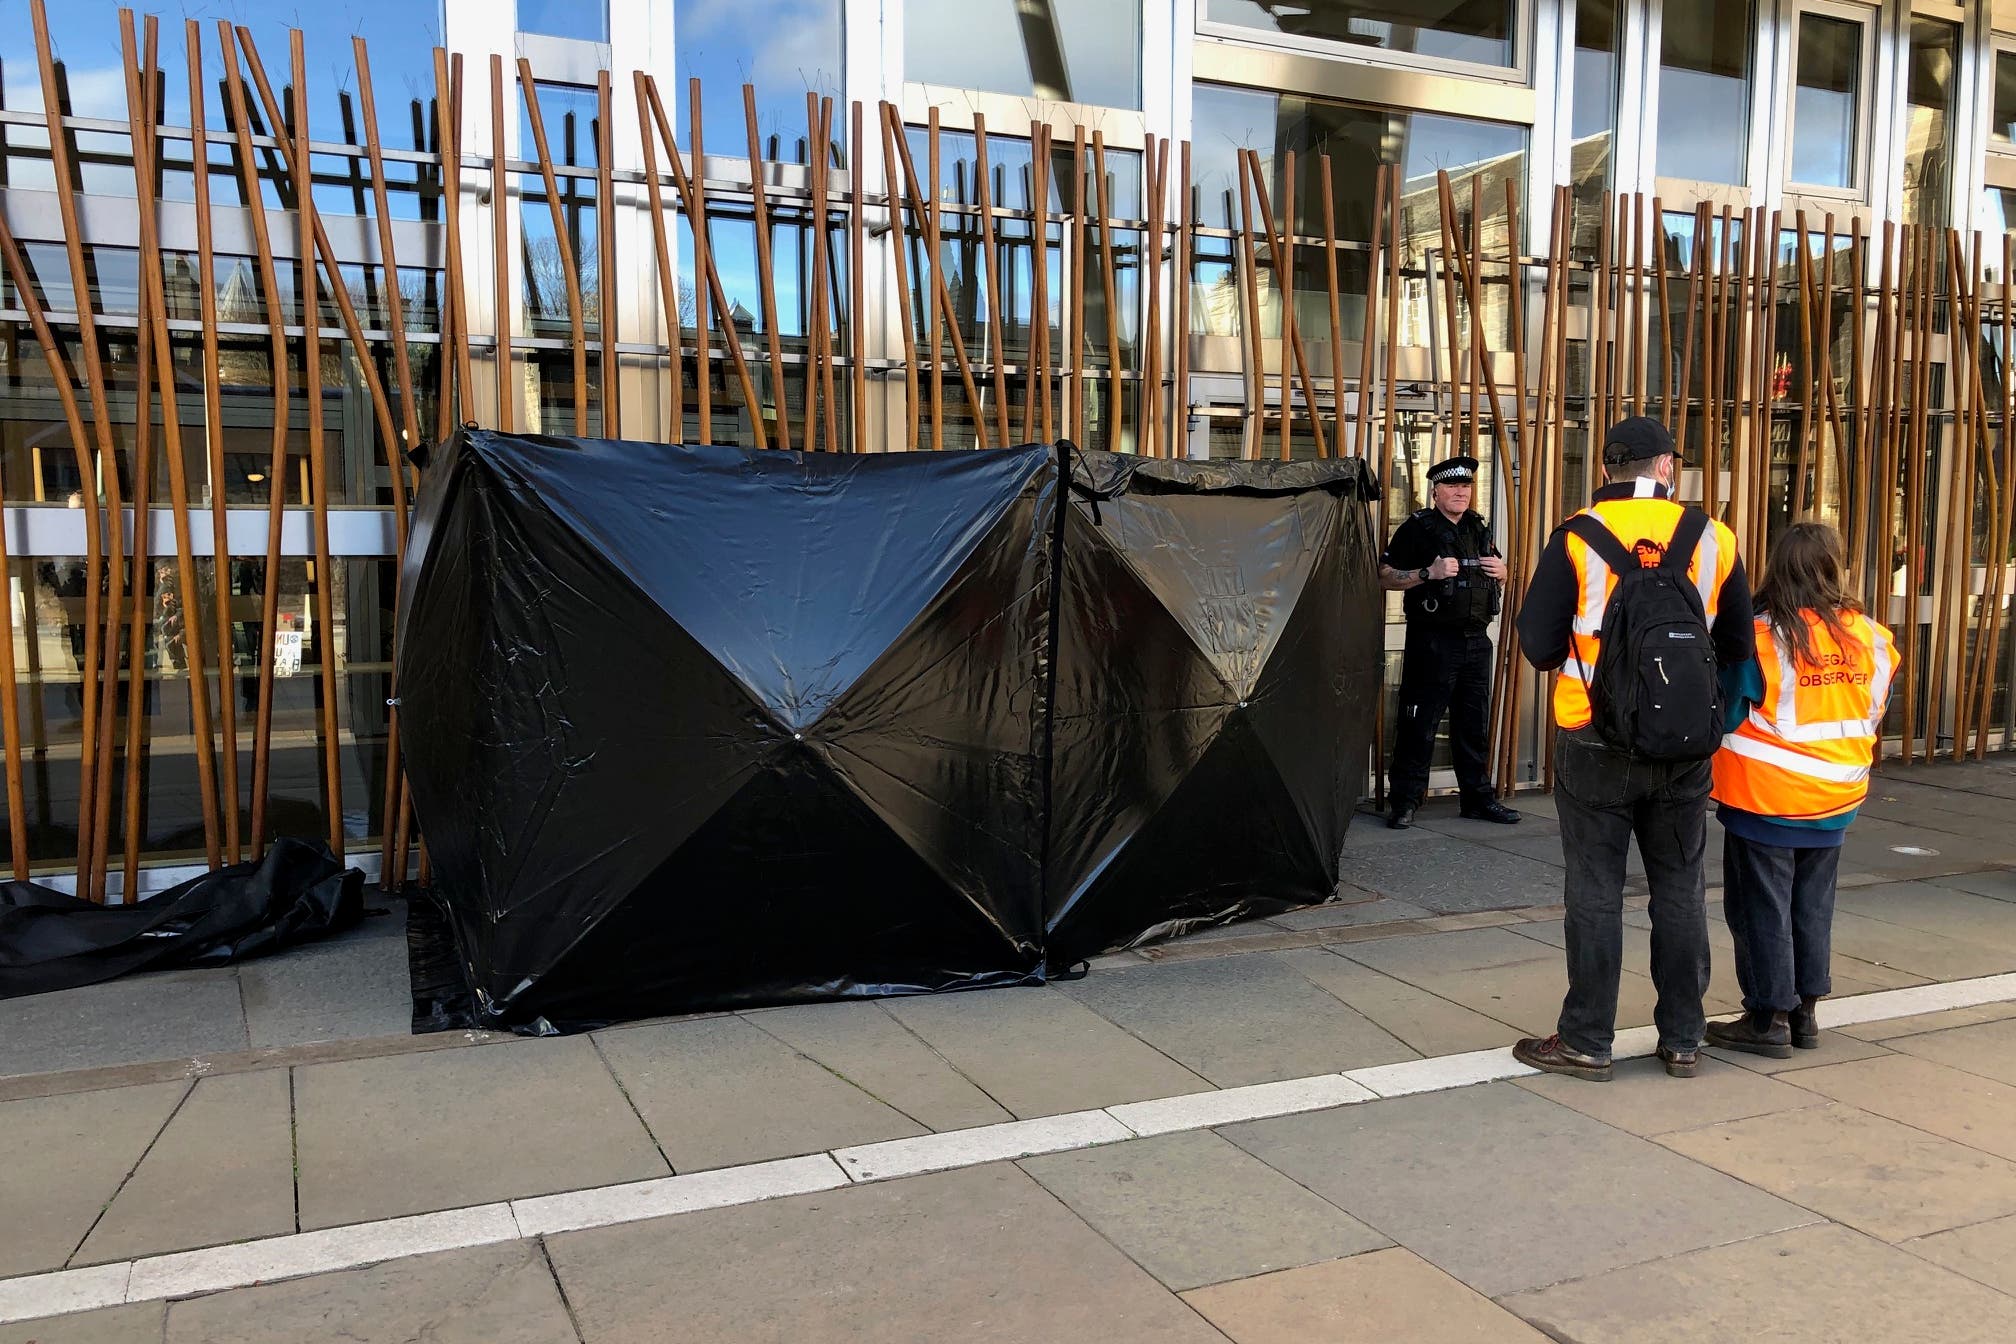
x,y
1807,572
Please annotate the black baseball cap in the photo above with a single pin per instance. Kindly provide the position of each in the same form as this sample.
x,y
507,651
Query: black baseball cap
x,y
1636,437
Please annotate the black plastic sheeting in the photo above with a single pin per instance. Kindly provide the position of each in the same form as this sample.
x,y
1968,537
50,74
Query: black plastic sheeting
x,y
1219,659
696,727
297,892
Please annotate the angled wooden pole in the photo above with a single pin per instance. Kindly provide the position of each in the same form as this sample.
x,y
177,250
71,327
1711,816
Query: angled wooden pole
x,y
984,197
899,239
857,261
668,278
766,275
607,320
500,251
577,329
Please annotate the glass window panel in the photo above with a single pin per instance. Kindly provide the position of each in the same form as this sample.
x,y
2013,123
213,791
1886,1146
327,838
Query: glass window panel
x,y
1593,111
1704,91
2003,123
1928,97
1455,30
1825,101
1085,51
586,20
785,48
568,115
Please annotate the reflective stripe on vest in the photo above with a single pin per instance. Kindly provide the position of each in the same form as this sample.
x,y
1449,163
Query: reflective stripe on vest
x,y
1646,516
1804,753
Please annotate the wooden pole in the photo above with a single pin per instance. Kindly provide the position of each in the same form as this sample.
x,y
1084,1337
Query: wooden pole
x,y
607,320
1599,349
1148,439
276,469
766,275
1808,383
694,194
500,249
857,288
155,305
817,356
1036,384
213,408
577,329
1697,270
899,239
1293,355
1184,224
984,196
1116,395
448,107
941,292
1368,334
668,279
101,655
1641,334
1255,360
1075,327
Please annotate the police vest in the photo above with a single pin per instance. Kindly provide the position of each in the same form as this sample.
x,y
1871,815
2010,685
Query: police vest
x,y
1470,599
1644,526
1804,753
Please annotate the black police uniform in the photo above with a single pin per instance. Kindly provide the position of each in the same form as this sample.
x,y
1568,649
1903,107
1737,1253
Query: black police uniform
x,y
1447,665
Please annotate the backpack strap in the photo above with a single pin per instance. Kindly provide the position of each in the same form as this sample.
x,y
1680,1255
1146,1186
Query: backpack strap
x,y
1686,539
1600,539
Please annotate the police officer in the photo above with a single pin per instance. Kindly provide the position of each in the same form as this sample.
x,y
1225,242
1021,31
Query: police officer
x,y
1443,560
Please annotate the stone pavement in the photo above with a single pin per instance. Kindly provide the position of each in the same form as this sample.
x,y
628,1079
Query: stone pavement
x,y
1864,1190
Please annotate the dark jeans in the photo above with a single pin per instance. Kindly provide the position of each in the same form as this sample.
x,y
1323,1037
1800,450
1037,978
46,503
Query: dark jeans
x,y
1443,669
1604,798
1780,907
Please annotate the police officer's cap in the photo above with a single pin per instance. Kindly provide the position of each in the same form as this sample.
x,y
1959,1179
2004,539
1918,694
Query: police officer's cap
x,y
1637,437
1455,471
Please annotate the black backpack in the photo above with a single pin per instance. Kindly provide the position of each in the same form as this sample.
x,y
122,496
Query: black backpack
x,y
1653,693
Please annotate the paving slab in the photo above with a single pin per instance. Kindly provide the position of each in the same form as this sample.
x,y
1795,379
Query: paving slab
x,y
1379,910
1425,1022
1934,909
1963,1107
164,1015
380,1138
344,989
1815,1285
983,1256
1506,1190
1902,852
1192,1209
1457,827
1874,1174
1921,1023
1931,955
1512,978
1443,953
1238,1020
1037,1052
1997,883
223,1170
140,1323
720,1092
1984,1252
1988,1050
82,1145
1834,1048
1642,1100
500,1294
1451,878
1367,1299
872,1050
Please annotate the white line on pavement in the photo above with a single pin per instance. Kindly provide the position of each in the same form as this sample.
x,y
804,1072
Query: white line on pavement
x,y
213,1269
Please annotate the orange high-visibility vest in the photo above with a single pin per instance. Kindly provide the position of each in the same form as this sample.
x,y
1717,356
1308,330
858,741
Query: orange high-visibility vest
x,y
1804,753
1645,525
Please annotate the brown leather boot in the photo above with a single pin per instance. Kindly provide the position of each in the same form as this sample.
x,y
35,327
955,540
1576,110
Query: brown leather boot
x,y
1804,1022
1680,1063
1759,1033
1550,1054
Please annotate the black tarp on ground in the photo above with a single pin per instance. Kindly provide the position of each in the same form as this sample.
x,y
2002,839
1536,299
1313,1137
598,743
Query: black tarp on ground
x,y
298,891
1219,662
696,727
703,727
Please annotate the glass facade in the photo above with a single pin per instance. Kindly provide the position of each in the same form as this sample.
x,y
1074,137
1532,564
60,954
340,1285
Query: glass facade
x,y
1087,51
1478,31
1826,101
1705,59
1871,120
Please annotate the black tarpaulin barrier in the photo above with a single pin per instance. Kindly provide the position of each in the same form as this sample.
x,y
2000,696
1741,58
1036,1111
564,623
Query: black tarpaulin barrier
x,y
701,726
1219,660
297,891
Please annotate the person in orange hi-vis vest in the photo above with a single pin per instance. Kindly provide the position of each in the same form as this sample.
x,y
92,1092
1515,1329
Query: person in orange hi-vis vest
x,y
1805,719
1633,595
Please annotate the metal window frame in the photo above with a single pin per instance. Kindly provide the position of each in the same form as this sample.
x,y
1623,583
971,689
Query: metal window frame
x,y
1519,71
1759,127
1868,18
